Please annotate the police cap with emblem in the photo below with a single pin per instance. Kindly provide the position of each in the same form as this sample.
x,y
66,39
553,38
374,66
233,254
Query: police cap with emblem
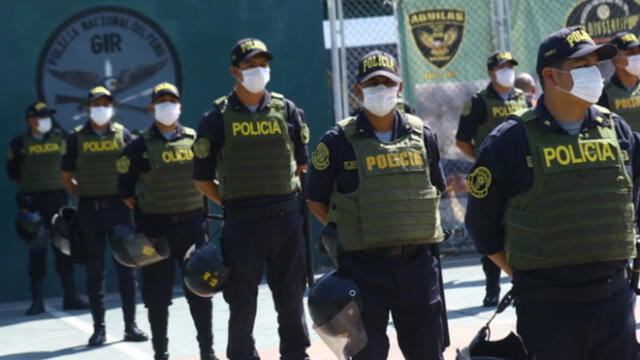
x,y
98,92
500,57
378,63
164,88
39,108
244,49
570,43
625,41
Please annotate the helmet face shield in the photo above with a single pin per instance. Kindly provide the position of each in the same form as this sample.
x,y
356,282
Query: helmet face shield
x,y
344,334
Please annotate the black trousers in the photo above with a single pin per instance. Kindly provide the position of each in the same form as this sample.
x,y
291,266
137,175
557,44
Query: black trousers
x,y
96,225
247,245
492,276
158,278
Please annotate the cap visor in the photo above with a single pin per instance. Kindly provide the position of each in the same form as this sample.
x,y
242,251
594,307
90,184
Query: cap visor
x,y
604,51
504,61
386,73
97,96
632,45
253,53
165,92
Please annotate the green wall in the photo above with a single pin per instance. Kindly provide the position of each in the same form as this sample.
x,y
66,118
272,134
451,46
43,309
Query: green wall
x,y
203,32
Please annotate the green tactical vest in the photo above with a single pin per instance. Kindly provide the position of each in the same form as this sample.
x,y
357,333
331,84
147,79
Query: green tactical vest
x,y
395,203
625,103
96,164
257,158
40,168
400,105
497,112
168,187
579,209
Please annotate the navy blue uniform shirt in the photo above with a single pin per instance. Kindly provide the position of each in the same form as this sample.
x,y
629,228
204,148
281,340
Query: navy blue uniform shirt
x,y
211,127
139,162
344,177
504,153
604,99
468,125
71,152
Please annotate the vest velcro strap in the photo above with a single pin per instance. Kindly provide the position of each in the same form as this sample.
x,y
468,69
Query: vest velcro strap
x,y
262,211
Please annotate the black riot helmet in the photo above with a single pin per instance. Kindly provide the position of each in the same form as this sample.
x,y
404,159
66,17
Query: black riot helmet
x,y
64,223
335,305
136,249
204,273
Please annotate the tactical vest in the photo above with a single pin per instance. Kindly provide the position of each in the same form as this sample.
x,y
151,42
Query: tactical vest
x,y
400,105
579,209
625,103
257,158
395,203
497,112
40,167
96,163
168,187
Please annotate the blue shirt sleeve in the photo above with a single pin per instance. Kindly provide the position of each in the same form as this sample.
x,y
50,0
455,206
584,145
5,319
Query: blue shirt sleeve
x,y
15,158
435,166
128,179
70,153
473,114
295,124
209,141
324,167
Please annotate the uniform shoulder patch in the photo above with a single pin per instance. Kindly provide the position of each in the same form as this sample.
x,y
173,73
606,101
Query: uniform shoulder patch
x,y
202,147
466,109
304,134
479,181
123,164
320,157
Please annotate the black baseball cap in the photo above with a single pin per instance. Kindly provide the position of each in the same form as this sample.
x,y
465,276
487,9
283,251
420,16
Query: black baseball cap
x,y
500,57
39,108
246,48
164,88
570,43
97,92
376,63
625,41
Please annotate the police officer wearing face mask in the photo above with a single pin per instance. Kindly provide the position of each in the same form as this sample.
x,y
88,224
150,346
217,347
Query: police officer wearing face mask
x,y
33,162
551,202
253,142
622,93
483,112
89,173
377,178
155,177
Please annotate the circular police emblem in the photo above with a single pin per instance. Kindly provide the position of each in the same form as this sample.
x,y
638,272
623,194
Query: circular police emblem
x,y
320,157
201,148
109,46
479,181
123,164
604,18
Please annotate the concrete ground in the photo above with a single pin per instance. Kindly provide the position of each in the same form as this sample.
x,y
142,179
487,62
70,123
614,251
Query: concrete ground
x,y
57,334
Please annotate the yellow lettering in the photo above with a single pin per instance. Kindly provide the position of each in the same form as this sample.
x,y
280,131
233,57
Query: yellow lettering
x,y
549,155
575,160
371,161
607,152
404,158
235,128
590,152
562,159
381,160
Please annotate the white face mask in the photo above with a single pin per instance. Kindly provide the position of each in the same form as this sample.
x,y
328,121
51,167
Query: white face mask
x,y
101,115
380,100
587,83
44,125
167,113
505,77
634,65
256,79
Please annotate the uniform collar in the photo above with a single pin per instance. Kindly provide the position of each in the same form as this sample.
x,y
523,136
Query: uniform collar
x,y
400,127
491,91
547,122
87,129
44,137
154,131
235,103
615,80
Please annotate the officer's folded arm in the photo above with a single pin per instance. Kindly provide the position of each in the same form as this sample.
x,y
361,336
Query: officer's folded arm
x,y
500,259
319,210
209,189
467,148
69,183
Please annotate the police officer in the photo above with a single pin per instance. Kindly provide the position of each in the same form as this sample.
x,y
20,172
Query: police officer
x,y
527,84
622,93
155,177
255,142
33,162
89,173
483,112
377,177
551,202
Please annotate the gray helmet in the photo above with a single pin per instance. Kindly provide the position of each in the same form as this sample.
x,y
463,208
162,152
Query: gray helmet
x,y
335,305
31,228
204,273
136,249
64,225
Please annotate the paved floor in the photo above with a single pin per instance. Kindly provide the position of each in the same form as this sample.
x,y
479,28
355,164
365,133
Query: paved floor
x,y
62,335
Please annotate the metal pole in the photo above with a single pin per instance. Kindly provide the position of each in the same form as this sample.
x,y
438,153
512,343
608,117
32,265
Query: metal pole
x,y
343,63
335,62
507,15
500,19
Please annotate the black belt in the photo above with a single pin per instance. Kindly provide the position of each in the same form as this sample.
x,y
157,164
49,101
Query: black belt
x,y
389,251
574,294
262,211
172,218
98,204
